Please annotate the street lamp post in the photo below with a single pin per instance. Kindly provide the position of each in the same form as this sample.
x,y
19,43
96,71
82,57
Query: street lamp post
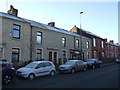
x,y
81,36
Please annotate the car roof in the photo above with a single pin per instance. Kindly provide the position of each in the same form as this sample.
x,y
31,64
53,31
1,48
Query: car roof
x,y
75,60
93,59
40,61
4,62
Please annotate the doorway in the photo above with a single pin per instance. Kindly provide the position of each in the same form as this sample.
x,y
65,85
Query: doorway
x,y
53,56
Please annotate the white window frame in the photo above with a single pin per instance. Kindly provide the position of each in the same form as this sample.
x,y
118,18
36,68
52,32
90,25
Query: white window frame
x,y
19,54
39,36
102,44
94,42
36,52
87,44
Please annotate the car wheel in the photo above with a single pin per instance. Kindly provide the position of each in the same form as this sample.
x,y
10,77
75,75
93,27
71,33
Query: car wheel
x,y
100,65
72,70
7,79
52,73
31,76
93,67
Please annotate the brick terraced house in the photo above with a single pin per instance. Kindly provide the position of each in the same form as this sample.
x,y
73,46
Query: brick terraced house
x,y
101,49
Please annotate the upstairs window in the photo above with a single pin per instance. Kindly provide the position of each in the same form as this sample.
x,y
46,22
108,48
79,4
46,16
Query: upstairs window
x,y
16,31
94,42
39,37
102,44
87,44
77,43
64,41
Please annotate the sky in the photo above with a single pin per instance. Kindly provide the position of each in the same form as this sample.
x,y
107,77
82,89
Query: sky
x,y
99,17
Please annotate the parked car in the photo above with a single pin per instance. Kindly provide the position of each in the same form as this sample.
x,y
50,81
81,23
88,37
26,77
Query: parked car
x,y
71,66
118,60
36,69
7,71
93,63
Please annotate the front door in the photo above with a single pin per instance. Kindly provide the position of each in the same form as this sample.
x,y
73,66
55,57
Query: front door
x,y
53,57
50,56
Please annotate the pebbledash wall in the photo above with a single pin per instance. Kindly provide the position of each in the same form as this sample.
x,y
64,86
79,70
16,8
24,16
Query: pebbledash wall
x,y
39,41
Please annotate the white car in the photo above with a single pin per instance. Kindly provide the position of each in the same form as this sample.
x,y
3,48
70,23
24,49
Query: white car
x,y
118,60
36,69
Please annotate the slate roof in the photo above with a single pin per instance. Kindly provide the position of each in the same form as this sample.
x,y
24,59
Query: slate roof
x,y
38,24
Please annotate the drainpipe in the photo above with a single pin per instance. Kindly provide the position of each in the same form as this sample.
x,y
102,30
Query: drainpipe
x,y
74,42
31,43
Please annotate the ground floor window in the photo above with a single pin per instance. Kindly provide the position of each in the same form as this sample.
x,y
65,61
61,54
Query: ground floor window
x,y
75,54
64,56
15,54
38,54
87,55
103,54
95,54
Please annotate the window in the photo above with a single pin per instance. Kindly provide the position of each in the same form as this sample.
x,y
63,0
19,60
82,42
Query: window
x,y
103,54
94,42
87,55
47,64
15,54
95,54
64,56
39,54
16,31
102,44
41,65
39,37
64,41
87,44
77,43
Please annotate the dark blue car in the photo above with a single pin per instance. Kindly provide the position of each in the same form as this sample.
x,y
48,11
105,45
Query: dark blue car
x,y
8,72
93,63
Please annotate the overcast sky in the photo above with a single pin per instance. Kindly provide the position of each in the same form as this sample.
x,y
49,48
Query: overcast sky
x,y
100,18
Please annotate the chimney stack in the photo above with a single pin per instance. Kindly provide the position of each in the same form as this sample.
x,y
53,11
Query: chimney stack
x,y
111,41
105,39
13,11
51,24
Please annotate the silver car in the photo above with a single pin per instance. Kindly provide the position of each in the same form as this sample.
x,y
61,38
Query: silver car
x,y
36,69
71,66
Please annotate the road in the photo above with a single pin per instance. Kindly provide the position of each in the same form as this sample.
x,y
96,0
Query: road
x,y
104,77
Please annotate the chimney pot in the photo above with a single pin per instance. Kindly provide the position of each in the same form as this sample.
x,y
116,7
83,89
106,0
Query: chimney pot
x,y
105,39
111,41
51,24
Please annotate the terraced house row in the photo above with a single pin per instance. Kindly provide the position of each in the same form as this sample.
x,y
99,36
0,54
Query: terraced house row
x,y
23,40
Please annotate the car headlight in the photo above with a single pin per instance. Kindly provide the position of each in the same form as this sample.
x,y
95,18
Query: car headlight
x,y
24,73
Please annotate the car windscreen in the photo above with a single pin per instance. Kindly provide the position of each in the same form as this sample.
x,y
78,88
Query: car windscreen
x,y
90,60
70,63
2,65
31,65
